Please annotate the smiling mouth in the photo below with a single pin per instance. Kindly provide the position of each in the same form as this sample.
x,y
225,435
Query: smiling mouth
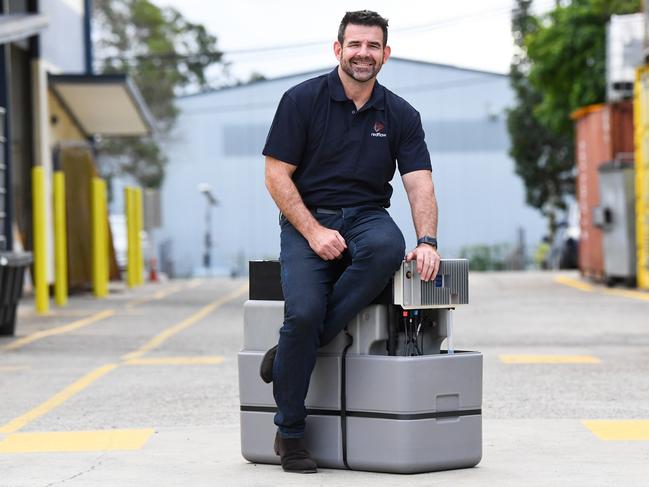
x,y
363,64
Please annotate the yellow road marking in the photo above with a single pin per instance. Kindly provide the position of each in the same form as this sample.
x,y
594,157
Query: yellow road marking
x,y
210,360
157,295
184,324
62,396
619,430
75,325
583,286
568,281
76,441
549,359
628,293
57,399
13,368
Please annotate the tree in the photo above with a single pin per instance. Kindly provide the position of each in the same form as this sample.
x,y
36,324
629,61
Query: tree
x,y
163,52
558,66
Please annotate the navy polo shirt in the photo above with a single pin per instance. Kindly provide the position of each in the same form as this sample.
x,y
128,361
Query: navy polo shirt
x,y
345,157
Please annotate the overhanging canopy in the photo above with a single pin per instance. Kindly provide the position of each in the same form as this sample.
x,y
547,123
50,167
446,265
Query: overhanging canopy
x,y
106,104
14,27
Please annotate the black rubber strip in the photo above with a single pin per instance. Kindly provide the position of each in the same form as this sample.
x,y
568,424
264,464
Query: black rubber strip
x,y
373,415
343,397
414,416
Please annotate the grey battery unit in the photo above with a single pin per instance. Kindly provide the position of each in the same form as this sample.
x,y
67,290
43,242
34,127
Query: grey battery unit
x,y
449,288
371,407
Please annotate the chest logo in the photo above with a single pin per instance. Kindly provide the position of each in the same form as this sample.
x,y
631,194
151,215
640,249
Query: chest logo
x,y
378,130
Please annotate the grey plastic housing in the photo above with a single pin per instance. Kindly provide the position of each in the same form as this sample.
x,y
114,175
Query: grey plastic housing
x,y
404,414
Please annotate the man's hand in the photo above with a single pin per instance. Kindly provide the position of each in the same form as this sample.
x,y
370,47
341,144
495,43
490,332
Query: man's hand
x,y
327,243
427,261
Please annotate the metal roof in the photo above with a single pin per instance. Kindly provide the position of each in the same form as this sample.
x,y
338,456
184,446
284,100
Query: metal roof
x,y
14,27
109,104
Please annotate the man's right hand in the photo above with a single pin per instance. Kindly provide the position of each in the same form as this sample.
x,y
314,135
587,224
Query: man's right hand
x,y
327,243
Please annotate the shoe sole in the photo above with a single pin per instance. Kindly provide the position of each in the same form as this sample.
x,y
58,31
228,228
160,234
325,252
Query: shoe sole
x,y
267,380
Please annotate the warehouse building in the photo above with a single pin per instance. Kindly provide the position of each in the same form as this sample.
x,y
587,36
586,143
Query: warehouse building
x,y
220,135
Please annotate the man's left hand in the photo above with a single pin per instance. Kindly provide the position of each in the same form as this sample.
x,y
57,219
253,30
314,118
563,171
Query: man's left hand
x,y
427,261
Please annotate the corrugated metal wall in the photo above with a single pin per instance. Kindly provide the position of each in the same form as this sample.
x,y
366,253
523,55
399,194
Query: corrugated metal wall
x,y
220,136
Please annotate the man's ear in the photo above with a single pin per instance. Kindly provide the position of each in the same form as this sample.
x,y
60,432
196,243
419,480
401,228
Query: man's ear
x,y
338,49
386,53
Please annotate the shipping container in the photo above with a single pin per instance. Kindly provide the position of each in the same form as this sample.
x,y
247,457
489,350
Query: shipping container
x,y
641,107
603,133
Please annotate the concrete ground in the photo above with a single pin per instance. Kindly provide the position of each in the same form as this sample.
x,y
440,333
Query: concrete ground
x,y
141,389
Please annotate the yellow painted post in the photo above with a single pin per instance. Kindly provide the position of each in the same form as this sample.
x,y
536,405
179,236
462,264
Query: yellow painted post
x,y
641,129
138,235
130,237
40,243
99,238
60,241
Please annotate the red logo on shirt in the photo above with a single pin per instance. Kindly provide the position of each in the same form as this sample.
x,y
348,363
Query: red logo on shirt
x,y
378,130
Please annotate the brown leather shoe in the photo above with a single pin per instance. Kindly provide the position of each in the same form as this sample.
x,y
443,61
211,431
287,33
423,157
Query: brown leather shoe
x,y
294,456
266,367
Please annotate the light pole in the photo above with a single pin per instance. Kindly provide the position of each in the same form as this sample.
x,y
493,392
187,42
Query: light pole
x,y
211,200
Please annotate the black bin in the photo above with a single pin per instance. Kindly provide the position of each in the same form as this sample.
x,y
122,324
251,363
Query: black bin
x,y
12,272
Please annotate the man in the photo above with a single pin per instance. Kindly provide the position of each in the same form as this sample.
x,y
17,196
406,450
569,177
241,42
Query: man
x,y
330,155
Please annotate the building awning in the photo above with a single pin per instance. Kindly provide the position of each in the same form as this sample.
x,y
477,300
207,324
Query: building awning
x,y
15,27
105,104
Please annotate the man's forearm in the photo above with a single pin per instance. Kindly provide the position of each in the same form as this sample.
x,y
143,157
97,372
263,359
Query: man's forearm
x,y
287,198
423,204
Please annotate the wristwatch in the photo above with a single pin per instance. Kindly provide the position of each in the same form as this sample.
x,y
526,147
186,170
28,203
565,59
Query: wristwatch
x,y
426,239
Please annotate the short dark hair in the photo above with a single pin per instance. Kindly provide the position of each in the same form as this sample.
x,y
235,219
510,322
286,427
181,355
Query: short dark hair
x,y
363,17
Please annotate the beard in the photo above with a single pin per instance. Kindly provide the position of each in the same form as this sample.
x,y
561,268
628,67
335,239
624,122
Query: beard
x,y
360,69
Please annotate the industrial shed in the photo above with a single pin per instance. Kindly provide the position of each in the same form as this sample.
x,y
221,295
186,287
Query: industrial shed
x,y
220,134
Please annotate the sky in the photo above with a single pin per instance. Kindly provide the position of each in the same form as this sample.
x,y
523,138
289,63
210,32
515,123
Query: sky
x,y
468,33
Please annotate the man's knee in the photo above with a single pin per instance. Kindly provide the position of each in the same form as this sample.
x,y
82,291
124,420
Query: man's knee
x,y
387,249
303,319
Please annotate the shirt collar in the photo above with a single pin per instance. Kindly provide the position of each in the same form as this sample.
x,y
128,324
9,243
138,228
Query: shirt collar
x,y
337,91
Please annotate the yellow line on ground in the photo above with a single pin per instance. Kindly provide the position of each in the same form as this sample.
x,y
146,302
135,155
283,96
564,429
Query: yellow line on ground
x,y
583,286
75,325
76,441
57,399
209,360
184,324
162,294
628,293
549,359
157,295
619,430
13,368
568,281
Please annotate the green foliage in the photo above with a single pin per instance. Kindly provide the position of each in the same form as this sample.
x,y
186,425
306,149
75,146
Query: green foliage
x,y
559,65
163,52
487,257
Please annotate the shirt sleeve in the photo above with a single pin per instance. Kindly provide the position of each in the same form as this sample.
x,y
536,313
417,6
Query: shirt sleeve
x,y
287,136
412,153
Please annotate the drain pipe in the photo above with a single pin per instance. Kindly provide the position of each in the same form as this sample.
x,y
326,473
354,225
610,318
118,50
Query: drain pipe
x,y
87,34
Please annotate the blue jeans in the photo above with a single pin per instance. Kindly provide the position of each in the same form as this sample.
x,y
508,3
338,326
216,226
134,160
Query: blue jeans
x,y
321,297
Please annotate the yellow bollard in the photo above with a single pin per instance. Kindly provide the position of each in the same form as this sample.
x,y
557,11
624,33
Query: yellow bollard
x,y
130,236
40,244
60,242
99,238
139,226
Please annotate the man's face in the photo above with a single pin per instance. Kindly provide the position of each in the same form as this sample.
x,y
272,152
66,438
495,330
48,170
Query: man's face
x,y
362,53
